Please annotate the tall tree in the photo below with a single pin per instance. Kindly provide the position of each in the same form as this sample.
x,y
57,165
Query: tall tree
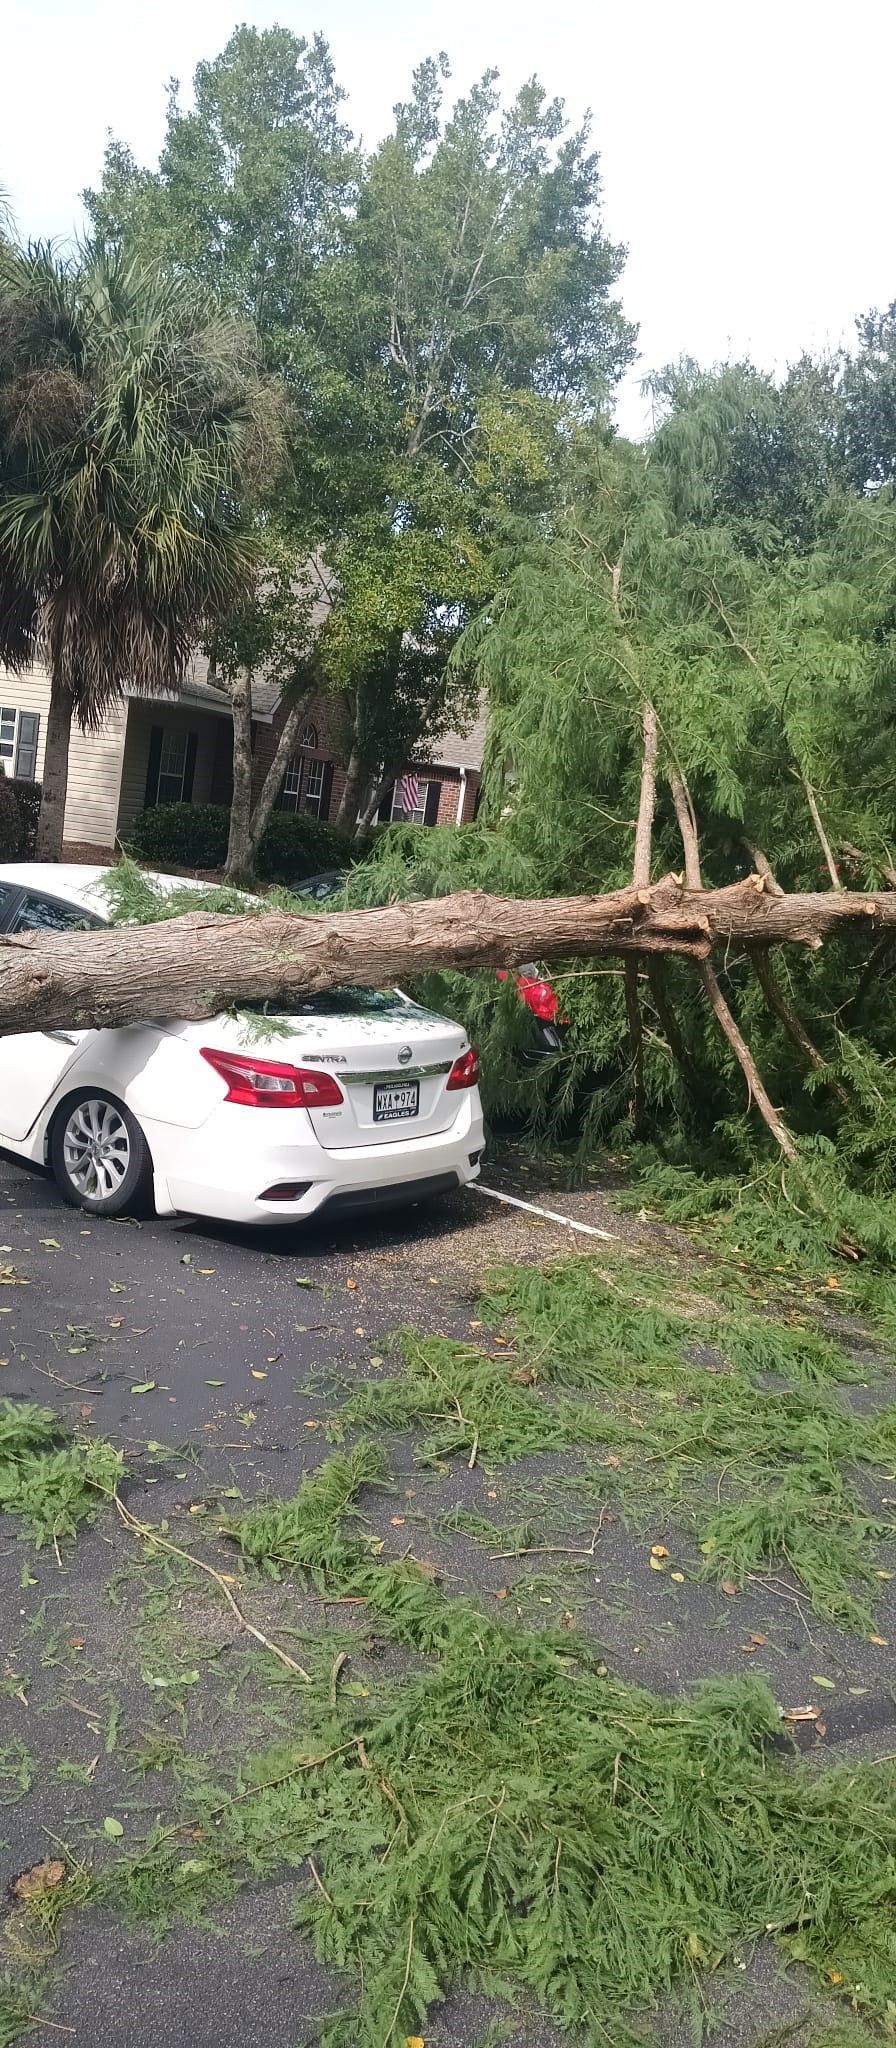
x,y
469,317
132,420
269,631
455,313
251,181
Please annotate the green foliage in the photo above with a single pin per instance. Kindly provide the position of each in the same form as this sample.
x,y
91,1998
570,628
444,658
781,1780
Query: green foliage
x,y
307,1531
248,179
20,2000
811,1523
467,1402
50,1480
294,845
195,835
184,835
27,795
683,1394
135,897
132,421
440,308
514,1814
12,830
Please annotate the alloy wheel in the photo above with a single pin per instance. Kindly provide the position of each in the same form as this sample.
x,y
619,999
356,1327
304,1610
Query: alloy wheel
x,y
96,1149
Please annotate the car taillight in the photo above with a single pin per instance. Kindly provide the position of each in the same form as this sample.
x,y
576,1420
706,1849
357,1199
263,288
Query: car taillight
x,y
265,1084
465,1071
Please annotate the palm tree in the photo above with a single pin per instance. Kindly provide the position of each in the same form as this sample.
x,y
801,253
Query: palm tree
x,y
134,425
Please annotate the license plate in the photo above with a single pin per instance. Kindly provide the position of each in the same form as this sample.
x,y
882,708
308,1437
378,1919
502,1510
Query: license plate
x,y
391,1103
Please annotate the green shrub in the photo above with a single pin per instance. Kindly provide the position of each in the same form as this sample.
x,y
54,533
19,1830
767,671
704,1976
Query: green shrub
x,y
27,796
11,827
296,845
195,836
182,835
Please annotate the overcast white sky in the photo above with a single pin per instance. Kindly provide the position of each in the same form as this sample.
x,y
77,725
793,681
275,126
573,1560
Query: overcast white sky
x,y
747,149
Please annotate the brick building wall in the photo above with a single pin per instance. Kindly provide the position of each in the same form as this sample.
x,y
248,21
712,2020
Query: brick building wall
x,y
324,720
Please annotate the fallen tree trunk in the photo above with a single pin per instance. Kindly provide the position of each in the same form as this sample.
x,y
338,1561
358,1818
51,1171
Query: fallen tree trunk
x,y
192,966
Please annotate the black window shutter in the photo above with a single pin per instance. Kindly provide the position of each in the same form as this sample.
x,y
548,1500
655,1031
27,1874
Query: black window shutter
x,y
26,749
326,791
153,766
190,766
385,810
433,793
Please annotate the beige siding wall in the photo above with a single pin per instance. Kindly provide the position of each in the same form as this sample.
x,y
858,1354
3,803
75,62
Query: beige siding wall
x,y
173,718
94,762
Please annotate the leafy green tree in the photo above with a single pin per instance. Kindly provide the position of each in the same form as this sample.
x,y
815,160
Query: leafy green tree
x,y
869,399
452,314
133,418
269,630
251,179
767,678
737,446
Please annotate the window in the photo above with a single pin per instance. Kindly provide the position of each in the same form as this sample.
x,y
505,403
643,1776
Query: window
x,y
314,787
172,765
309,741
18,742
425,808
292,785
307,784
48,914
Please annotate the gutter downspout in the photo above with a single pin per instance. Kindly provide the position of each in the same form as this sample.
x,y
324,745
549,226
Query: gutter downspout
x,y
462,797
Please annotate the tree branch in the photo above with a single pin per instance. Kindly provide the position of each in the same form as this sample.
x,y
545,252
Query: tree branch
x,y
756,1087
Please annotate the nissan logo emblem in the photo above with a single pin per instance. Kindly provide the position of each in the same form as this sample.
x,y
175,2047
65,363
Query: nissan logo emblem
x,y
406,1053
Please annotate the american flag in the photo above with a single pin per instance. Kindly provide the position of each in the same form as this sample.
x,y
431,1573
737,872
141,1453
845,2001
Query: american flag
x,y
410,795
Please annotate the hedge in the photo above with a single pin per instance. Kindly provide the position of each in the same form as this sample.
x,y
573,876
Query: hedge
x,y
11,826
27,796
195,836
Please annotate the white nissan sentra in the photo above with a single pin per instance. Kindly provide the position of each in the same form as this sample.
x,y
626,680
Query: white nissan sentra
x,y
342,1101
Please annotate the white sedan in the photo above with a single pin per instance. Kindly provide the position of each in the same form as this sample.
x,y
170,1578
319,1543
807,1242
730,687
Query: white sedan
x,y
350,1099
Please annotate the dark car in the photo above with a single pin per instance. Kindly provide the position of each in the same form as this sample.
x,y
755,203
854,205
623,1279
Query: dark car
x,y
320,888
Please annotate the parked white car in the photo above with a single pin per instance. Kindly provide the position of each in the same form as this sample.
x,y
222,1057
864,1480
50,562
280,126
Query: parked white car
x,y
351,1099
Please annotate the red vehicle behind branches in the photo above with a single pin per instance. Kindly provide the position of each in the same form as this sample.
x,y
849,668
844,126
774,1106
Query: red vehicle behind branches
x,y
541,999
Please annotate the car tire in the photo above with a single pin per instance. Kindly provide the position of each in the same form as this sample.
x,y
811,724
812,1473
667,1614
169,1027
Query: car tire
x,y
99,1156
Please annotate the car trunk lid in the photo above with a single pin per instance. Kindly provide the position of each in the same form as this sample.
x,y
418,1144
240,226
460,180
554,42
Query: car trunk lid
x,y
390,1058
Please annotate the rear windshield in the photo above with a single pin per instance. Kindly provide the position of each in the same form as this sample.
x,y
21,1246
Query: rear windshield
x,y
338,1002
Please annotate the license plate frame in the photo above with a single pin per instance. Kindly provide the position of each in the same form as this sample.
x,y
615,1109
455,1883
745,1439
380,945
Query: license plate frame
x,y
385,1108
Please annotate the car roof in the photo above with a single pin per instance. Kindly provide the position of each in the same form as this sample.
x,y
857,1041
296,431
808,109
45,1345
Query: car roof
x,y
70,882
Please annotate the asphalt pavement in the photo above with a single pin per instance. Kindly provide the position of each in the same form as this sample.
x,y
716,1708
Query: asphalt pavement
x,y
212,1357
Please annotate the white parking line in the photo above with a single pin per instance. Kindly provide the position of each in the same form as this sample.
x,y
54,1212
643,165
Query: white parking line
x,y
552,1215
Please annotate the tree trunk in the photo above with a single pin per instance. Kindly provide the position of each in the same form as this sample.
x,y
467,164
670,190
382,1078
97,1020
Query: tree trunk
x,y
273,781
350,800
51,823
756,1088
793,1024
238,865
193,966
641,880
367,809
669,1025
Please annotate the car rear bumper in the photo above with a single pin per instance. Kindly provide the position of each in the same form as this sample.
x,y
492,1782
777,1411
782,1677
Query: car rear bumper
x,y
229,1168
